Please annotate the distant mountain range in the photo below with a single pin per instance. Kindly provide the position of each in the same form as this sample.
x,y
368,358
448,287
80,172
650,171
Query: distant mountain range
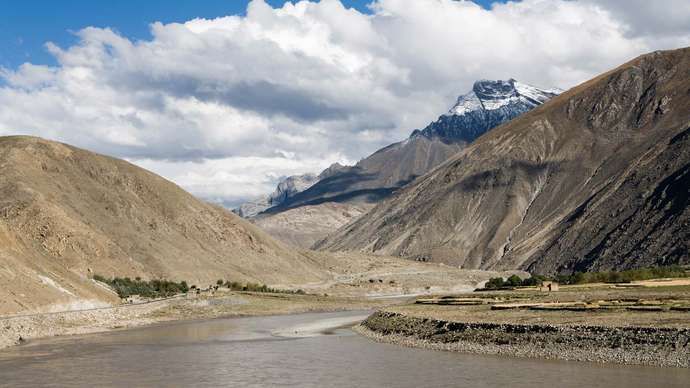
x,y
357,188
597,178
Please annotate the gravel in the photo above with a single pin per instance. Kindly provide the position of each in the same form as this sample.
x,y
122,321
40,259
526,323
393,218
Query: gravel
x,y
667,347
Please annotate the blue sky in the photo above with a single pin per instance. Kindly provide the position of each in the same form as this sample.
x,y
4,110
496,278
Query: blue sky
x,y
25,26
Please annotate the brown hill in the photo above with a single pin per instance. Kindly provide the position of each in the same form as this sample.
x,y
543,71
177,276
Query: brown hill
x,y
596,178
66,214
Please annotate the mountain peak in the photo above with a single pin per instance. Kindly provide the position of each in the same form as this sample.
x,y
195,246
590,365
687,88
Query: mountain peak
x,y
488,104
494,89
495,94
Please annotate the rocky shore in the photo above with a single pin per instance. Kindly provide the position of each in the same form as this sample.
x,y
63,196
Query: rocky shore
x,y
667,347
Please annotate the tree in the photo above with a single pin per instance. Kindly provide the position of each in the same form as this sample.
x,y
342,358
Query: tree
x,y
514,281
494,283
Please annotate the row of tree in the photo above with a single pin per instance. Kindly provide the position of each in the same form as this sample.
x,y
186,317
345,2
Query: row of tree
x,y
254,287
672,271
156,288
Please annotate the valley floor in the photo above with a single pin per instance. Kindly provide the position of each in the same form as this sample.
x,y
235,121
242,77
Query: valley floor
x,y
644,325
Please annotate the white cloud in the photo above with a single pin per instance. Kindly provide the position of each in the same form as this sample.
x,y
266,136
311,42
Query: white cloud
x,y
226,106
226,181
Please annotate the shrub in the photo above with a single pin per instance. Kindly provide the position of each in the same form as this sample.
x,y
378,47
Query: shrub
x,y
495,283
534,280
255,287
514,281
157,288
100,278
673,271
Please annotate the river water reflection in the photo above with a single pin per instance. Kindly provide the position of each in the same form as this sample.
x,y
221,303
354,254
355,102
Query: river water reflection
x,y
305,350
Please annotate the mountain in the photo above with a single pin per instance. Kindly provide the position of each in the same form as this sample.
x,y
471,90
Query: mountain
x,y
285,189
488,105
67,213
595,179
302,226
358,188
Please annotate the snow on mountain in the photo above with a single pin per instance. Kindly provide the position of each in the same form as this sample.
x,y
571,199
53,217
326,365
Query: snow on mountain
x,y
492,95
285,189
487,105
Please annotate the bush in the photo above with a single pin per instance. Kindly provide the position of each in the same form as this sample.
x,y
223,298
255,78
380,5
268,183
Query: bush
x,y
532,281
514,281
157,288
100,278
495,284
628,276
255,287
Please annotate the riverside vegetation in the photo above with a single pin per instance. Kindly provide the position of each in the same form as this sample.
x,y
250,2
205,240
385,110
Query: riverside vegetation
x,y
156,288
162,288
671,271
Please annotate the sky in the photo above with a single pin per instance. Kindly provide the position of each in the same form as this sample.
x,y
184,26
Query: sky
x,y
225,97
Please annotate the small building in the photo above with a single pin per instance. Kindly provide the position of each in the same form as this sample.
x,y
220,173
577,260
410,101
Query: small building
x,y
548,286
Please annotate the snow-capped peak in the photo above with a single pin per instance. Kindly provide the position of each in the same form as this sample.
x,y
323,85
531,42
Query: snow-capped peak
x,y
487,105
492,95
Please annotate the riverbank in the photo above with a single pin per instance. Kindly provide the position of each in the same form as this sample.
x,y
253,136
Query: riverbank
x,y
666,347
15,330
597,323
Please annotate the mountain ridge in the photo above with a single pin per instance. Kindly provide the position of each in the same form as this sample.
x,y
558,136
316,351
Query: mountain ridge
x,y
506,197
349,190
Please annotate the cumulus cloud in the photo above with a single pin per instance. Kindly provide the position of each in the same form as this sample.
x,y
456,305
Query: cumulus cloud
x,y
226,106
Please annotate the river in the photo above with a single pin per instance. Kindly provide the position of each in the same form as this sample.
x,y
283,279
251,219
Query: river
x,y
304,350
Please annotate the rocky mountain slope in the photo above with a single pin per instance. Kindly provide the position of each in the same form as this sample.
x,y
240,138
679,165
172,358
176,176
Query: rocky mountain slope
x,y
285,189
596,178
376,177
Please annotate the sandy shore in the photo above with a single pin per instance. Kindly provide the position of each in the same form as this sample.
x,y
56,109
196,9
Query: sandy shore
x,y
657,346
18,329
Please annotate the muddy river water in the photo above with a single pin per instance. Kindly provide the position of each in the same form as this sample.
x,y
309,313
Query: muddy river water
x,y
304,350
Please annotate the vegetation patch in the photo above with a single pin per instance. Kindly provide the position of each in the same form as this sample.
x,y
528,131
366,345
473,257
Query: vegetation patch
x,y
255,287
156,288
615,277
513,281
672,271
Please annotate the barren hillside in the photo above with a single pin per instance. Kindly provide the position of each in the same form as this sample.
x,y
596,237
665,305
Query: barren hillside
x,y
67,214
596,178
